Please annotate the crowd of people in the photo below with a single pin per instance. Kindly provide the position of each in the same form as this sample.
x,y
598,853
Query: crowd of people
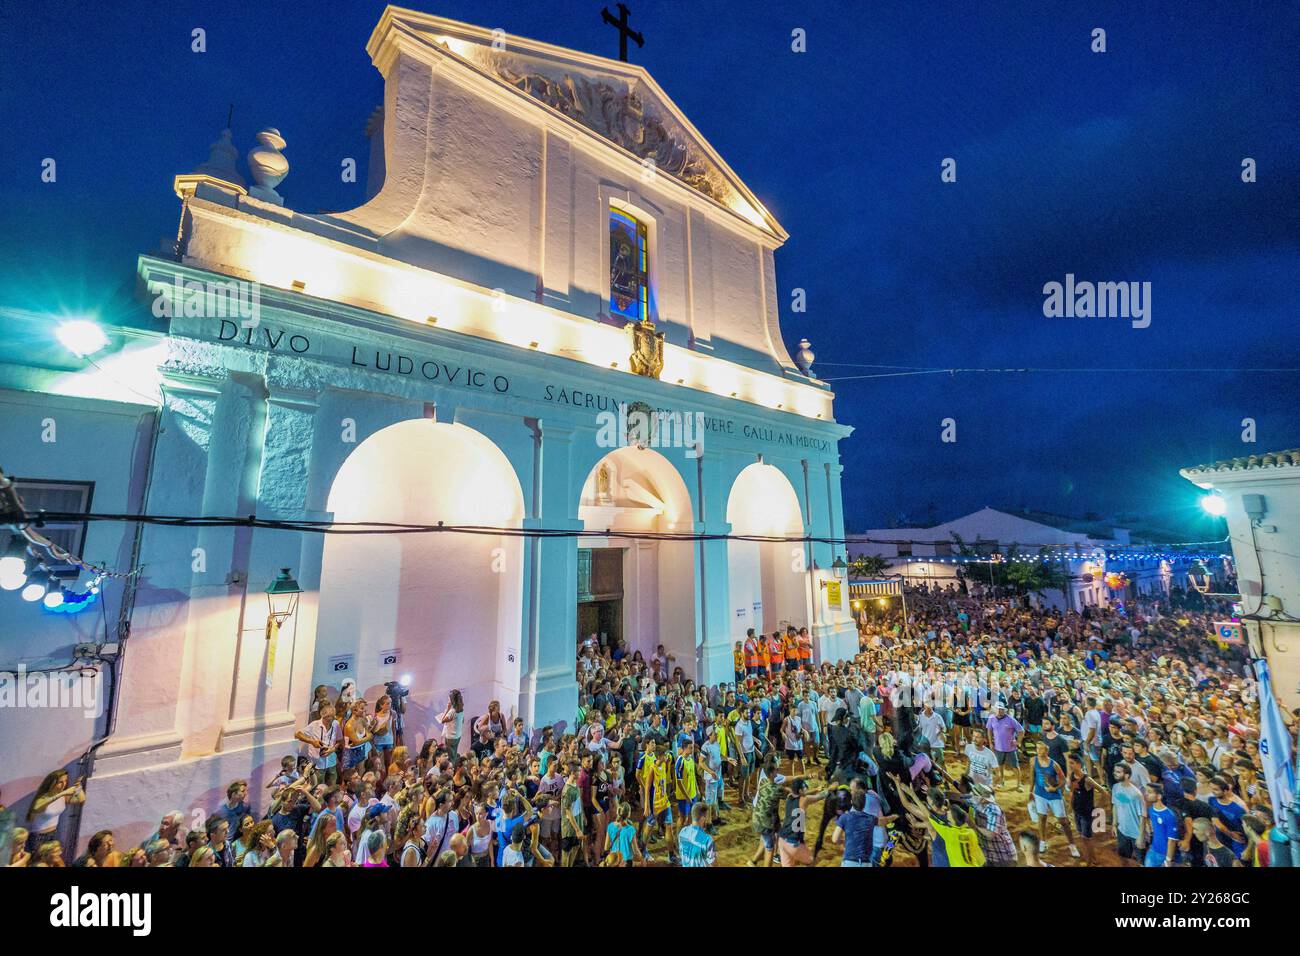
x,y
1121,736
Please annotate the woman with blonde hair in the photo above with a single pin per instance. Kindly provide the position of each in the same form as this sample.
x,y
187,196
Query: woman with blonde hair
x,y
49,853
203,856
400,761
135,857
357,736
336,849
18,854
382,731
325,826
409,831
53,796
493,721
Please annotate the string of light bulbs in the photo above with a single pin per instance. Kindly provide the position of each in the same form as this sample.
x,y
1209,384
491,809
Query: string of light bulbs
x,y
24,567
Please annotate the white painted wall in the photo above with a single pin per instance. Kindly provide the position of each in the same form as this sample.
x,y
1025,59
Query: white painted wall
x,y
1267,562
103,442
481,187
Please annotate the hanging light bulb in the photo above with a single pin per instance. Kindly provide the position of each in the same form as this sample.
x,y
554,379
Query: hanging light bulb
x,y
14,562
35,588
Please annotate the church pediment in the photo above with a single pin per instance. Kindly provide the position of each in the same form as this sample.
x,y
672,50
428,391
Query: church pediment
x,y
619,102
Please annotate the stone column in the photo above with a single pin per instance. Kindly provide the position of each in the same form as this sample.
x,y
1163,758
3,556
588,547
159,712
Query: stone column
x,y
261,707
549,690
712,593
183,600
835,634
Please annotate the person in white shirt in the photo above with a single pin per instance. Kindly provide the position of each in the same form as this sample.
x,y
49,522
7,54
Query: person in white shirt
x,y
981,761
933,729
323,737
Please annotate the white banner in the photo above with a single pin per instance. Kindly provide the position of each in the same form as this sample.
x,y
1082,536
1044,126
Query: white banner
x,y
1274,747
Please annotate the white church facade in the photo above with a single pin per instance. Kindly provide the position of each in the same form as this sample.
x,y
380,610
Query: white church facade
x,y
551,257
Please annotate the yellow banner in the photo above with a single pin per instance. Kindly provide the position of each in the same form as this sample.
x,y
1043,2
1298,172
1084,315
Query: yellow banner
x,y
833,593
272,638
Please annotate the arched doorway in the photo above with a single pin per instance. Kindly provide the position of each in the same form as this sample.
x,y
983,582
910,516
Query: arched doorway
x,y
448,605
768,579
640,592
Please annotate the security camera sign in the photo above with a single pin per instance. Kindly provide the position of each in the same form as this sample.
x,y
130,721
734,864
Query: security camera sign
x,y
391,657
342,663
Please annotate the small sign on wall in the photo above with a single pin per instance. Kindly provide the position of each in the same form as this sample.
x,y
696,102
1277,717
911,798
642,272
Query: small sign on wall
x,y
758,608
512,656
342,663
740,612
833,594
390,658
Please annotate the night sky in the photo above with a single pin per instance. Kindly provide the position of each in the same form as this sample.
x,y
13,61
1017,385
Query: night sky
x,y
1122,166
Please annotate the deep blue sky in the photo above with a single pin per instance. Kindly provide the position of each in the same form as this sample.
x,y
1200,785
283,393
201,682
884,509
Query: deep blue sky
x,y
1116,166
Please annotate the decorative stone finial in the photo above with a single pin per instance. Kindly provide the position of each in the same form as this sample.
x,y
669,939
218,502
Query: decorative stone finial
x,y
222,157
804,357
268,166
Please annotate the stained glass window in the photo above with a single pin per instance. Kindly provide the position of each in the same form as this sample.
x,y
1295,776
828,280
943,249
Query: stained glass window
x,y
629,293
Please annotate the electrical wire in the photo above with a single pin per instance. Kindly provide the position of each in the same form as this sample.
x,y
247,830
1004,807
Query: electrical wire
x,y
391,527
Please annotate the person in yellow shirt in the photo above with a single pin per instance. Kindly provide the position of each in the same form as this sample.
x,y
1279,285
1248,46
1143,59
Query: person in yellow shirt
x,y
960,842
652,776
684,780
738,661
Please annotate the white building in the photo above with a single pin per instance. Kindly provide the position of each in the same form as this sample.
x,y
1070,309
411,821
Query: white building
x,y
548,239
1261,501
1091,552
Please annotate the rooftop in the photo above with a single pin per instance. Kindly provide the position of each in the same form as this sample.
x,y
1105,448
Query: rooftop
x,y
1272,459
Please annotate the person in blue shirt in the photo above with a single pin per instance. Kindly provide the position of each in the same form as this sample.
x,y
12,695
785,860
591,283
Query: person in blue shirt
x,y
694,845
1163,827
855,829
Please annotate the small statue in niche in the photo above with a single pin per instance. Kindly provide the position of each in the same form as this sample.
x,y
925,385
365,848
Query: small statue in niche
x,y
603,494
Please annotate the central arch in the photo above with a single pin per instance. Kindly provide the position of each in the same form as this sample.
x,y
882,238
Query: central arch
x,y
768,579
644,590
449,604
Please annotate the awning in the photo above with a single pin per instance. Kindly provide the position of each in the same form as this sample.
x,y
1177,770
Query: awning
x,y
889,587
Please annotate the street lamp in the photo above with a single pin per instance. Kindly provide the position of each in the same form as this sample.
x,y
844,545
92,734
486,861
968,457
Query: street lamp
x,y
1214,504
81,337
281,598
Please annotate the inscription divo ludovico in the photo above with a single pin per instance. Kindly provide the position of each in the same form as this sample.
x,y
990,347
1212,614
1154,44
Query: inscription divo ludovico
x,y
269,338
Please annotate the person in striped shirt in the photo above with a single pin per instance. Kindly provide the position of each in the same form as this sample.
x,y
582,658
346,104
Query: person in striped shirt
x,y
694,845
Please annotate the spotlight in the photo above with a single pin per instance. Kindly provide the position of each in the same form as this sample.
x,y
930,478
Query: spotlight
x,y
34,591
81,337
53,597
1214,504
